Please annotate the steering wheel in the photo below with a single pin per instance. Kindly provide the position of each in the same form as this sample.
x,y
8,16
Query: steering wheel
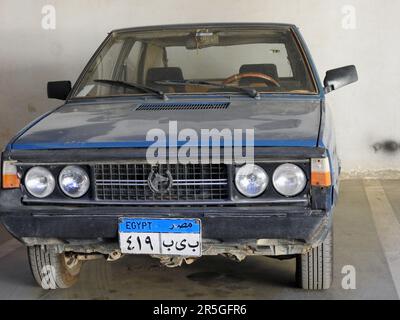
x,y
263,76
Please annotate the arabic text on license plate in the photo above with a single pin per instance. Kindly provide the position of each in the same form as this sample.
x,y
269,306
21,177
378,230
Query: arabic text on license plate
x,y
172,237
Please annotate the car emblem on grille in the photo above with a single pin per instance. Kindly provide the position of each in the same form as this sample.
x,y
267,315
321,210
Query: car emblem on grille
x,y
160,182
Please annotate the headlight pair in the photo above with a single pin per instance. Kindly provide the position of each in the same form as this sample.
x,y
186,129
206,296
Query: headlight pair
x,y
288,179
73,181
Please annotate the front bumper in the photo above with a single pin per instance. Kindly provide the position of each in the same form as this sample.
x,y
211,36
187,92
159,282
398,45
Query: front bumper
x,y
227,224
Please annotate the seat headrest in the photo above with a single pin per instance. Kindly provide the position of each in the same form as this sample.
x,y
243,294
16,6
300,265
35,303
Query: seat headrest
x,y
268,69
161,74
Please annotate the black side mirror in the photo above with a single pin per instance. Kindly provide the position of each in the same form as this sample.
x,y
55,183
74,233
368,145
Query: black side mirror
x,y
338,78
58,89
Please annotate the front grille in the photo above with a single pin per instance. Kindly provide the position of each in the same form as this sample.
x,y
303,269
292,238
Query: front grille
x,y
192,182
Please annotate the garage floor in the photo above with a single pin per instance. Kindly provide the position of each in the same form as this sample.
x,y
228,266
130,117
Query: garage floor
x,y
367,236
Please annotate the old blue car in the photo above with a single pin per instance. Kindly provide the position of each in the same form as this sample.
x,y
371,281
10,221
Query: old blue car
x,y
177,142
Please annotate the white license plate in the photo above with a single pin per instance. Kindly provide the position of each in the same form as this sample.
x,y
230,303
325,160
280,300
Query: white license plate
x,y
170,237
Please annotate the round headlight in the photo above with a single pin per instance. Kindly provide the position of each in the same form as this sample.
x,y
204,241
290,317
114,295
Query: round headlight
x,y
251,180
39,182
74,181
289,180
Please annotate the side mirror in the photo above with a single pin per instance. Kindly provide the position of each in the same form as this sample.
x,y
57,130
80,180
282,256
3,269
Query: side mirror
x,y
58,89
338,78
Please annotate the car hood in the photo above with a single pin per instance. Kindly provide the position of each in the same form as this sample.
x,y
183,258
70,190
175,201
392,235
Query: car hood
x,y
276,122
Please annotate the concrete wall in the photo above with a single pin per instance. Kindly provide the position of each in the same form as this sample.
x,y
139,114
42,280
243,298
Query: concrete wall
x,y
340,32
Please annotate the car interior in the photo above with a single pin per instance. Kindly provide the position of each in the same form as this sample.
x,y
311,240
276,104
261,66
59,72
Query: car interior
x,y
275,64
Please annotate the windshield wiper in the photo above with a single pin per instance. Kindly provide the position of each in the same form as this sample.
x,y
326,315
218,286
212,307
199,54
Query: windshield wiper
x,y
249,91
132,85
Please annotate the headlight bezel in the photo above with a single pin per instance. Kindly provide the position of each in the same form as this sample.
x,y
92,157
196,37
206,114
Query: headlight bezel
x,y
271,195
86,176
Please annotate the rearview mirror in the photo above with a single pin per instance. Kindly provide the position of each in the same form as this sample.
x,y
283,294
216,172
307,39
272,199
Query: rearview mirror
x,y
58,89
202,39
338,78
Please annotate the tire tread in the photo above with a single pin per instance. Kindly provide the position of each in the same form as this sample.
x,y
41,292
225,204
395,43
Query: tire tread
x,y
40,256
314,269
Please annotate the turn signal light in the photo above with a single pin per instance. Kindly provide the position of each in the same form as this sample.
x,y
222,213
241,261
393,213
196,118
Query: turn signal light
x,y
10,177
320,173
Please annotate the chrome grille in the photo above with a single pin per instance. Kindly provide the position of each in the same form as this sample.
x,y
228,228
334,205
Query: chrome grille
x,y
192,182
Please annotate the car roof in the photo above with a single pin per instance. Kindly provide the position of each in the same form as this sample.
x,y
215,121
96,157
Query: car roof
x,y
205,25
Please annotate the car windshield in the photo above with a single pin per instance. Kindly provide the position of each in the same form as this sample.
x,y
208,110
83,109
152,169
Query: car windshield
x,y
198,61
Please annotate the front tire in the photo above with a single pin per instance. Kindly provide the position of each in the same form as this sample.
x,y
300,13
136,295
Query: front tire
x,y
314,269
53,270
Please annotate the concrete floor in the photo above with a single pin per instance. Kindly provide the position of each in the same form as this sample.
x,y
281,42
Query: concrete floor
x,y
366,224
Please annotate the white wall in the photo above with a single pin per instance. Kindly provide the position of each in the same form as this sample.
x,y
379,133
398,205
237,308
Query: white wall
x,y
365,113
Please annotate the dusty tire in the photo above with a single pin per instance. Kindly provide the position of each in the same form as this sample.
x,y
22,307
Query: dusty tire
x,y
314,270
53,270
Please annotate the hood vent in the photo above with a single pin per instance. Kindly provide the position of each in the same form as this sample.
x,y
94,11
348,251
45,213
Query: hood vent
x,y
171,106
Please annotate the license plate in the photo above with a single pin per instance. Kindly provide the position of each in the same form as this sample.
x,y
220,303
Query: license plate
x,y
171,237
